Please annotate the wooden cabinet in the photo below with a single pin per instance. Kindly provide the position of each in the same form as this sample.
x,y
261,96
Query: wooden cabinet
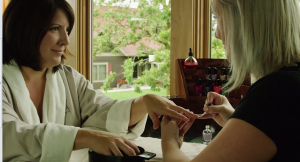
x,y
187,80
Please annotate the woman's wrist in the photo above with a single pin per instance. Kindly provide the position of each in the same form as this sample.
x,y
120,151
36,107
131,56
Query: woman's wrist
x,y
138,111
169,143
81,139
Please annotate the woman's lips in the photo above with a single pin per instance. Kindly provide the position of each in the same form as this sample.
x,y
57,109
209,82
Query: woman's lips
x,y
60,52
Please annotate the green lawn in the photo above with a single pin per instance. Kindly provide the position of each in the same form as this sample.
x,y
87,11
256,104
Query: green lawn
x,y
132,94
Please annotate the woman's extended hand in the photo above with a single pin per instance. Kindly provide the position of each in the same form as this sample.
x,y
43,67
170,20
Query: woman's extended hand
x,y
157,106
221,109
173,130
104,143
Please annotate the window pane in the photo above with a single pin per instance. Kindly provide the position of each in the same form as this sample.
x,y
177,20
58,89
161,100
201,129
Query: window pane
x,y
217,47
102,72
135,72
125,33
95,72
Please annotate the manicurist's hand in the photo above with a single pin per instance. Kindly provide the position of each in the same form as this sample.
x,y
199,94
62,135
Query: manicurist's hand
x,y
156,106
173,131
221,109
104,143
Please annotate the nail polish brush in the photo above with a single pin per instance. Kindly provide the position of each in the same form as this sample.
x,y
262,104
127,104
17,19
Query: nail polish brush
x,y
210,104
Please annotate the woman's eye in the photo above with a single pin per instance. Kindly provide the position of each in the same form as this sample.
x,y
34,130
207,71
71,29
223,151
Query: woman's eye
x,y
55,28
214,17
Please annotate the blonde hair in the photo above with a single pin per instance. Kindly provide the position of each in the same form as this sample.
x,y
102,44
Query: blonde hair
x,y
261,36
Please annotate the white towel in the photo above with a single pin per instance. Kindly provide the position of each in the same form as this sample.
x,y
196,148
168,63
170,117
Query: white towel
x,y
54,102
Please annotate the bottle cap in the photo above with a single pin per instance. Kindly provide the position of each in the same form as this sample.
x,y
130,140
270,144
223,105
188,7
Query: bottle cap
x,y
214,70
190,53
223,71
208,82
198,82
217,82
207,126
208,71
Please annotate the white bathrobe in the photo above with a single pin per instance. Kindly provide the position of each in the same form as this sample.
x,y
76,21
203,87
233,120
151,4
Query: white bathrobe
x,y
26,139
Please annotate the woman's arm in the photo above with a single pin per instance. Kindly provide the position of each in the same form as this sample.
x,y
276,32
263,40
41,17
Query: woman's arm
x,y
237,141
172,138
172,153
156,106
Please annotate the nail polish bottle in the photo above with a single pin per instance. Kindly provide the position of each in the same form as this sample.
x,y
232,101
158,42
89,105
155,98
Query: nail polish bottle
x,y
208,73
223,74
198,87
217,87
224,88
214,74
207,135
190,63
208,87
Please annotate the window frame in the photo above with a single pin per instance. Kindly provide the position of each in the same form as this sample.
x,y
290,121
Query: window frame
x,y
190,31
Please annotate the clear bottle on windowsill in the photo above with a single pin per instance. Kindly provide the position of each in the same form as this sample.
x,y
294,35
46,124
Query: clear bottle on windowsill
x,y
207,135
190,63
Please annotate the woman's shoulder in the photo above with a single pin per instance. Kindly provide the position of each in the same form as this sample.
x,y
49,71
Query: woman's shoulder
x,y
285,77
69,71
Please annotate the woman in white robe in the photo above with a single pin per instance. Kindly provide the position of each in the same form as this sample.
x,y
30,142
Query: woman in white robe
x,y
46,104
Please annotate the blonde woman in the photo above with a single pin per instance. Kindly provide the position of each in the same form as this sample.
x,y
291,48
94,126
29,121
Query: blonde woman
x,y
261,37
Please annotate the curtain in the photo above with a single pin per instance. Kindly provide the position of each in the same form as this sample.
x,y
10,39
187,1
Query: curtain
x,y
83,37
190,27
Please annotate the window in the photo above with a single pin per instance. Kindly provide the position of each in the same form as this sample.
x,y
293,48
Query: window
x,y
100,72
217,47
125,33
155,65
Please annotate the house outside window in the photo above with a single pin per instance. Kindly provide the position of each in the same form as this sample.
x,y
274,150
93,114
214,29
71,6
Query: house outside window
x,y
115,43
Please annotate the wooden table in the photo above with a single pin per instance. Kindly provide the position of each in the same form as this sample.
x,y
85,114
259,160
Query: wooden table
x,y
149,144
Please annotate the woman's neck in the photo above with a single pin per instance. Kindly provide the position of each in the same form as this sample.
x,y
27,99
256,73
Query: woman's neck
x,y
31,75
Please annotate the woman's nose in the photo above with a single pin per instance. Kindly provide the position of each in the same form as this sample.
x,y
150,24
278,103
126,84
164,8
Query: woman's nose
x,y
64,39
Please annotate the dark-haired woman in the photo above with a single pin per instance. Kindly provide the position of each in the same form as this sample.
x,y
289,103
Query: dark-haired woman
x,y
46,104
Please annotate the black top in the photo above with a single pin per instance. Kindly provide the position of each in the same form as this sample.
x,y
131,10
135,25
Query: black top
x,y
272,105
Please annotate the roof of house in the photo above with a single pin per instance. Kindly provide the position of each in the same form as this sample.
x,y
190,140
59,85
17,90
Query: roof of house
x,y
129,50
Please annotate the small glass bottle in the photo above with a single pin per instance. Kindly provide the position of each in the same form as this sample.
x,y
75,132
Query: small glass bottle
x,y
217,87
208,73
223,74
207,135
208,86
198,87
214,74
190,63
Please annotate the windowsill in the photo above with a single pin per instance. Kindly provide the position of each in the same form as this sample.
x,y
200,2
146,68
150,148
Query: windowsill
x,y
99,81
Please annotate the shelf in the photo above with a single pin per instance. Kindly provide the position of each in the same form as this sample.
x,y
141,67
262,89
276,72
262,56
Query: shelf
x,y
186,81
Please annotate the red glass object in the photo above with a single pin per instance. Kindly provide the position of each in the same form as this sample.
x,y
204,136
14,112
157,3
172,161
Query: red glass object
x,y
217,89
190,63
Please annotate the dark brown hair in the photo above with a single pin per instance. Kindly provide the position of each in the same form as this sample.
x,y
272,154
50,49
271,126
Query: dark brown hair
x,y
25,23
